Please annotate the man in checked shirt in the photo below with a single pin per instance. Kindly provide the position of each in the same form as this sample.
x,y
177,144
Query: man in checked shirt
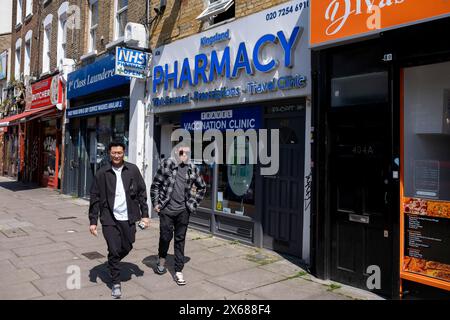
x,y
176,191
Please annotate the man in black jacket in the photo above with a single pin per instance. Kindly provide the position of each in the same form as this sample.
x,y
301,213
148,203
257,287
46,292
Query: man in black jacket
x,y
176,191
119,196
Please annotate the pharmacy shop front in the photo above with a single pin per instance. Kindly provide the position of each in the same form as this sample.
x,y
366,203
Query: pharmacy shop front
x,y
228,79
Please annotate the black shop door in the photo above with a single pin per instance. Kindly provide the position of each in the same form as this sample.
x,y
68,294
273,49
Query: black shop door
x,y
283,193
359,190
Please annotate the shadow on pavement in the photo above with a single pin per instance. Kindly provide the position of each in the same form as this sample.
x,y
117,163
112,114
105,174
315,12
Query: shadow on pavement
x,y
126,271
18,186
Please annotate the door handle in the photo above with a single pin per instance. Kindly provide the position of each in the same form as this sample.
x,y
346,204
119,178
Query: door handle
x,y
385,197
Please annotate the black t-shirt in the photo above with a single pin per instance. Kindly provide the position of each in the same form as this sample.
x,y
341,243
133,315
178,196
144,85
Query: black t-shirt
x,y
177,201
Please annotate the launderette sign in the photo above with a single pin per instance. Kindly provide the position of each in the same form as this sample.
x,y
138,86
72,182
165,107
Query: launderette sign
x,y
94,77
237,63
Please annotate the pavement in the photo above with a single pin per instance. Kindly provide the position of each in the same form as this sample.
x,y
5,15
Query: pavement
x,y
47,252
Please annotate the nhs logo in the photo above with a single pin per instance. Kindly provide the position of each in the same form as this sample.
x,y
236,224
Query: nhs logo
x,y
132,63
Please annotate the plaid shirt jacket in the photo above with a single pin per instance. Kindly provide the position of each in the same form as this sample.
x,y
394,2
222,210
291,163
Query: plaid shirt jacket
x,y
164,181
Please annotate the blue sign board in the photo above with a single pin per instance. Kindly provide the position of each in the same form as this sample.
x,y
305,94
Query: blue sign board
x,y
226,119
131,63
108,106
94,77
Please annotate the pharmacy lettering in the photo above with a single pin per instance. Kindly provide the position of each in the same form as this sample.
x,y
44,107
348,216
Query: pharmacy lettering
x,y
237,63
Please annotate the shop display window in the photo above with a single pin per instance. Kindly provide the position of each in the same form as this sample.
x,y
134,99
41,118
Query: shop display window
x,y
49,154
426,173
236,181
427,132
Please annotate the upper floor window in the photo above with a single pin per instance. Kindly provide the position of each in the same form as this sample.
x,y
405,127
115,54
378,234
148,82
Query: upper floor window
x,y
29,8
121,17
62,32
18,59
46,43
93,24
217,11
27,61
19,12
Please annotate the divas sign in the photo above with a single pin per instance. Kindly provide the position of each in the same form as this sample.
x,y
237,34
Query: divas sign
x,y
336,20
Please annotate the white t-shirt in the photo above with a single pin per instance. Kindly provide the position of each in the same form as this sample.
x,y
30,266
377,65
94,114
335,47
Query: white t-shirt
x,y
120,202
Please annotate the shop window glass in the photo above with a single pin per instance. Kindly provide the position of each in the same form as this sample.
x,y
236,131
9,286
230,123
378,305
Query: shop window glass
x,y
120,130
104,139
206,170
427,132
360,89
49,154
236,182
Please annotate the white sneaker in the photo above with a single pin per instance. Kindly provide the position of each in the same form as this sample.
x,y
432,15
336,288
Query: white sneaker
x,y
179,279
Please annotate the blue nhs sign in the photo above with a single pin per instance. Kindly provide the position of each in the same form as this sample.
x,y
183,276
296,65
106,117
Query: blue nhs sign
x,y
131,63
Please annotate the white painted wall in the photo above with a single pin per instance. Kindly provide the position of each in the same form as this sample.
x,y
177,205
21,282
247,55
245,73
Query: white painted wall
x,y
6,14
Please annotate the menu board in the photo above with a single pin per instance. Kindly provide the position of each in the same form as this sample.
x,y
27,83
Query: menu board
x,y
427,238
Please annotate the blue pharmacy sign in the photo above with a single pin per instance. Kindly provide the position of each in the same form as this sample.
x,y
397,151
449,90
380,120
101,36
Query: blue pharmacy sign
x,y
227,119
94,77
107,106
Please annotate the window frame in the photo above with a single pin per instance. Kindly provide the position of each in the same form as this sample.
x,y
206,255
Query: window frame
x,y
92,41
117,13
28,8
215,8
17,58
27,53
19,12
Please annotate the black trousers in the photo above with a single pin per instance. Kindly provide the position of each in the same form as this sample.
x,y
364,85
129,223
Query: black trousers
x,y
169,226
120,239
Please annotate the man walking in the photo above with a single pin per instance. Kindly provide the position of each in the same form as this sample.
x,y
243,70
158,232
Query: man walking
x,y
176,191
119,196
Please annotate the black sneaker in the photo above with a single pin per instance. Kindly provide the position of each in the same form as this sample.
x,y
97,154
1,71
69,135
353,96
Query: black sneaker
x,y
116,292
160,268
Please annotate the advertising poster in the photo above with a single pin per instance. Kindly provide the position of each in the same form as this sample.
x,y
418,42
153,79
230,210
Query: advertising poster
x,y
427,238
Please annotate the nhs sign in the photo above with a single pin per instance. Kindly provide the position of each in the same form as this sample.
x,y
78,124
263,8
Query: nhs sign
x,y
132,63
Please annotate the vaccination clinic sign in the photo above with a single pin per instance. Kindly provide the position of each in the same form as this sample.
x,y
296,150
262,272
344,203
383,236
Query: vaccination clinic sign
x,y
236,63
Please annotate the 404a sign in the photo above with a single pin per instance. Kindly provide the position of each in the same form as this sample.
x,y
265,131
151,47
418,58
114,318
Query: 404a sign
x,y
132,63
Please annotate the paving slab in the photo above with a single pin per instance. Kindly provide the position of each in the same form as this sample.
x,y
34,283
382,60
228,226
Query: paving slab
x,y
246,280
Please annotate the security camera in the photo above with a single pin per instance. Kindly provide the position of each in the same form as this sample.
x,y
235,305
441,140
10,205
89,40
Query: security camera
x,y
162,7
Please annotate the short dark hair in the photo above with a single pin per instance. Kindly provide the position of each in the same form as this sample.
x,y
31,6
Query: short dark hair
x,y
116,144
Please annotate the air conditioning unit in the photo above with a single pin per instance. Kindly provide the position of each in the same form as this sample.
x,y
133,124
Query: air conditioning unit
x,y
135,35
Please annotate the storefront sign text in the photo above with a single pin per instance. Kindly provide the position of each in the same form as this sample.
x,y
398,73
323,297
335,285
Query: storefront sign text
x,y
131,63
336,20
109,106
46,92
94,77
232,119
178,78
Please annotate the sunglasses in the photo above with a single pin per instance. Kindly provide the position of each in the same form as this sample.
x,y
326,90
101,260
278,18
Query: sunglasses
x,y
182,152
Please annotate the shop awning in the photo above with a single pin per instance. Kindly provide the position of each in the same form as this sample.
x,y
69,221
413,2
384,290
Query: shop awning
x,y
5,122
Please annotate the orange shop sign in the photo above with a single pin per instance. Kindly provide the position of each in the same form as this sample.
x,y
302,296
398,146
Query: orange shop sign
x,y
337,20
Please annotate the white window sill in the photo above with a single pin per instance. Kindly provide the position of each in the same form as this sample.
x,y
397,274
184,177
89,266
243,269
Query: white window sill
x,y
89,55
28,17
18,25
115,43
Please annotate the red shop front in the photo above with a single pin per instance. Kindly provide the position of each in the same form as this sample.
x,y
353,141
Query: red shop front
x,y
44,135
